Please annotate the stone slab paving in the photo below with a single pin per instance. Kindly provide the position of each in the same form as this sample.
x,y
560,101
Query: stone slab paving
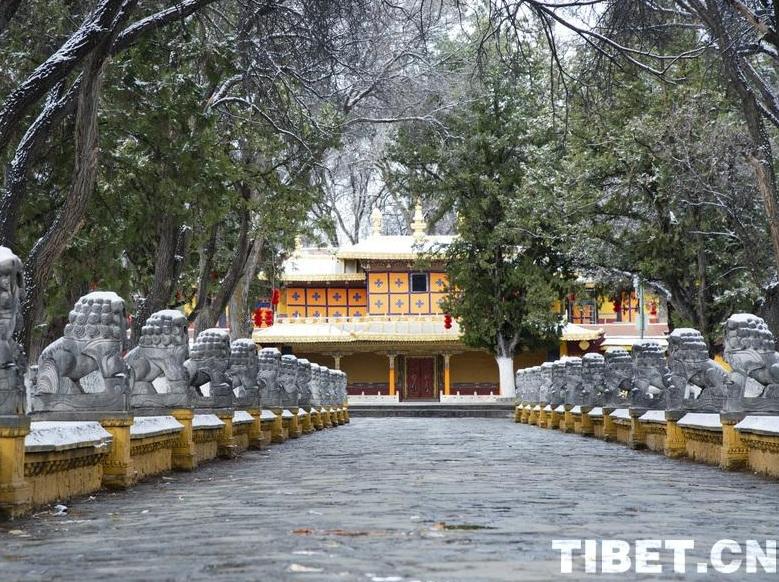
x,y
393,500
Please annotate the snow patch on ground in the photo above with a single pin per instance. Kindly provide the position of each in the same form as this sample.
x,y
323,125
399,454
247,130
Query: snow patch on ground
x,y
146,426
760,424
63,435
206,421
621,413
701,420
657,416
242,417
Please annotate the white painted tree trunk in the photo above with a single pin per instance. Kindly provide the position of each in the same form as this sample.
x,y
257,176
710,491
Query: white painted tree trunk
x,y
506,375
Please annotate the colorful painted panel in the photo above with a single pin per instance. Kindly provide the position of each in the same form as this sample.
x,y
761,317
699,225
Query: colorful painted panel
x,y
337,297
316,311
357,311
358,297
337,311
316,297
296,311
420,303
398,304
379,304
378,283
398,282
438,282
296,296
435,302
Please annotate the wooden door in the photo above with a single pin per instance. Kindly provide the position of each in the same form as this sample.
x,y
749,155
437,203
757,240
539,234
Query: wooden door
x,y
420,378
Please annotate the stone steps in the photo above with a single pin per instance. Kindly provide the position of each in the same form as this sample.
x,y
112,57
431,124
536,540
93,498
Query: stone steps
x,y
432,410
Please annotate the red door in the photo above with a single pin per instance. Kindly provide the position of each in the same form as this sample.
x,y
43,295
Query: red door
x,y
419,378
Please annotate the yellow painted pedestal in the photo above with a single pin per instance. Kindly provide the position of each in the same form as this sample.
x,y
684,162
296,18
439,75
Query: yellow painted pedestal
x,y
184,458
609,426
255,430
15,494
568,424
292,424
227,448
734,454
279,433
675,444
118,472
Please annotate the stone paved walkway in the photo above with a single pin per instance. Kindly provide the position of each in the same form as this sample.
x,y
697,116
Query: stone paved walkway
x,y
392,500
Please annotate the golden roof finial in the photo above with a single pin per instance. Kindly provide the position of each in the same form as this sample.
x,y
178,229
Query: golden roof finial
x,y
376,222
419,226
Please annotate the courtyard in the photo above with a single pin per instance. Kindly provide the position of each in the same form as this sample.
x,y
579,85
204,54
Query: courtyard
x,y
393,499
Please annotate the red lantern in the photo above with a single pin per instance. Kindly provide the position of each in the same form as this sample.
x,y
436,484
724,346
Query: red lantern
x,y
257,317
447,321
275,296
268,318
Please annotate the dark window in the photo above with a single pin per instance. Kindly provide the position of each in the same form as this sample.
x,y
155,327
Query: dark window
x,y
419,282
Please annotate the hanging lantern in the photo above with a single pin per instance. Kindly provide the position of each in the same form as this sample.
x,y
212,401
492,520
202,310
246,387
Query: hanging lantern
x,y
268,316
447,321
275,297
257,317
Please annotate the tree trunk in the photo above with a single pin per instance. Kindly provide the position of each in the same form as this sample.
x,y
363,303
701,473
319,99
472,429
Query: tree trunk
x,y
208,317
240,318
761,157
44,254
506,376
94,30
171,249
56,109
504,356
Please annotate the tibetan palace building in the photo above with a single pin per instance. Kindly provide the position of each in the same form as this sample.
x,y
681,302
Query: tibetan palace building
x,y
369,310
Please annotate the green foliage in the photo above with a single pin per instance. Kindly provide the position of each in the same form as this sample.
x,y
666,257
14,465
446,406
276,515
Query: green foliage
x,y
491,167
665,193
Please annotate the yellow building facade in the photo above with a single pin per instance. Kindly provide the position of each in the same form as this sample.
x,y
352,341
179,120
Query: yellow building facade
x,y
371,311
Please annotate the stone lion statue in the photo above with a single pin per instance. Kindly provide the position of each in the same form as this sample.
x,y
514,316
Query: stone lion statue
x,y
158,377
651,376
314,385
593,380
12,361
84,369
243,372
557,383
207,368
618,378
288,381
697,382
268,376
574,385
341,384
749,349
545,382
303,380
